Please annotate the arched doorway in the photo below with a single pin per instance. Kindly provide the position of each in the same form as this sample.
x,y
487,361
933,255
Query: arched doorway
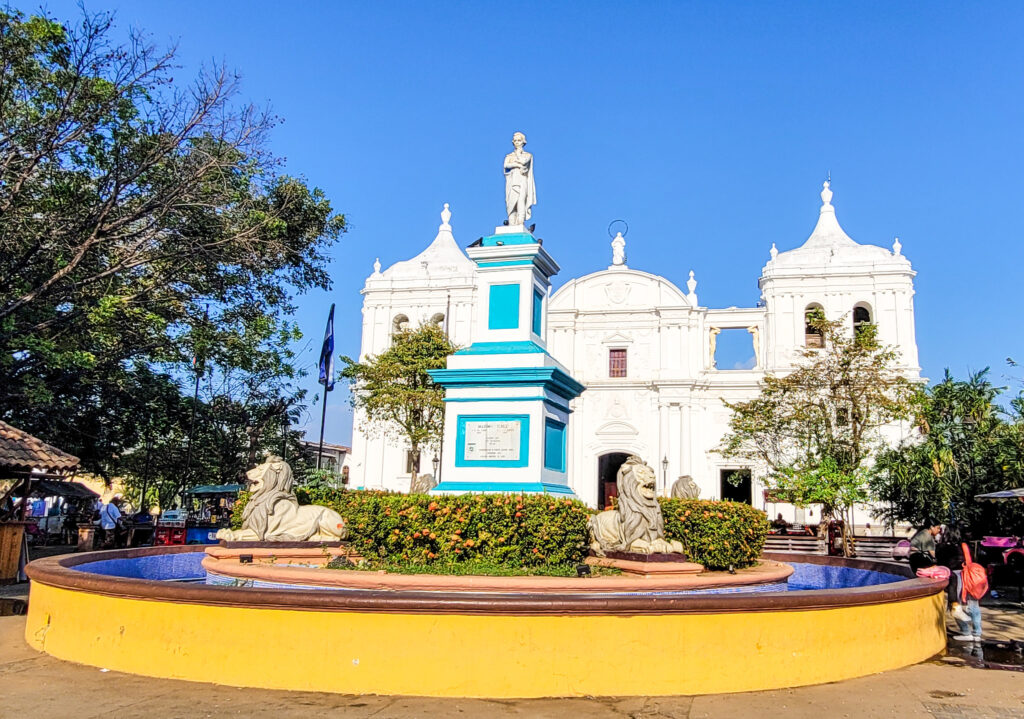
x,y
607,467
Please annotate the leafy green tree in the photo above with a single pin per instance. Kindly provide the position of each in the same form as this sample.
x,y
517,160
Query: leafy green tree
x,y
393,391
816,430
968,445
143,222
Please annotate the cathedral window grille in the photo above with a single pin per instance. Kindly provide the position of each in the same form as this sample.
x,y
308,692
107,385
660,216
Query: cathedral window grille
x,y
861,317
616,363
812,334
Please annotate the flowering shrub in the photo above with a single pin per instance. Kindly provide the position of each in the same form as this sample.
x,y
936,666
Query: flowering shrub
x,y
513,530
520,531
716,534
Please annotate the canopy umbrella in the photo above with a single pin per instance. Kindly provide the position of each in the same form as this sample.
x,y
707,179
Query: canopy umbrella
x,y
1003,495
215,489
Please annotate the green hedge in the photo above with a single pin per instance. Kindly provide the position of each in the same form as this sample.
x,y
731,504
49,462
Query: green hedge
x,y
522,531
716,534
517,530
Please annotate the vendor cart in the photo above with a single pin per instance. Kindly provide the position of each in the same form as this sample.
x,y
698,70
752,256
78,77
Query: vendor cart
x,y
209,510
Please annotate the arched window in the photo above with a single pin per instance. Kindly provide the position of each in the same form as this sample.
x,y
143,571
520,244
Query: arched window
x,y
401,322
812,334
861,316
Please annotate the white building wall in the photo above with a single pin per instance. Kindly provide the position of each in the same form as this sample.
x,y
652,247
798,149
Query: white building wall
x,y
670,404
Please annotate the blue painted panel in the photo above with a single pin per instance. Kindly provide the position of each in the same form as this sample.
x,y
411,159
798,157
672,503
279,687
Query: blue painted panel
x,y
554,445
524,440
538,312
512,238
506,487
503,307
502,348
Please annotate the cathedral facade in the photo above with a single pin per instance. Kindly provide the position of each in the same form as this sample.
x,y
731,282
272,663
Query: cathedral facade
x,y
645,350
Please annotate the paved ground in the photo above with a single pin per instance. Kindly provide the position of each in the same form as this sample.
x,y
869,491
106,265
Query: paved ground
x,y
36,685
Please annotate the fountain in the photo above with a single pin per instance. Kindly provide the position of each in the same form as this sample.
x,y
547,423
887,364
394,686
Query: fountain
x,y
271,615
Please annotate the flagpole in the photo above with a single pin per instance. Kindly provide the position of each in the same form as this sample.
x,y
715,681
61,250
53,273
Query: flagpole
x,y
323,421
326,378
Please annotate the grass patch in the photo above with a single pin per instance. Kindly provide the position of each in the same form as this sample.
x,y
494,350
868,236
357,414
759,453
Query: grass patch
x,y
470,567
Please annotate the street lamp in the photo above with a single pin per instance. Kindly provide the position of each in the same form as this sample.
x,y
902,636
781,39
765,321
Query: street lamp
x,y
436,462
664,471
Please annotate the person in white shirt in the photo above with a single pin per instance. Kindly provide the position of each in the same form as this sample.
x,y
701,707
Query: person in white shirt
x,y
110,522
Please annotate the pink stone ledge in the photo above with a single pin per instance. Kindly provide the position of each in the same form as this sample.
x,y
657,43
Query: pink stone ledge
x,y
765,572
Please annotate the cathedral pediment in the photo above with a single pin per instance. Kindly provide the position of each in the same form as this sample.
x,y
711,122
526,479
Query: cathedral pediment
x,y
618,429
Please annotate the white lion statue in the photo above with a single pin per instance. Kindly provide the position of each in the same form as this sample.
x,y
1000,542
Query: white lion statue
x,y
685,488
636,526
273,514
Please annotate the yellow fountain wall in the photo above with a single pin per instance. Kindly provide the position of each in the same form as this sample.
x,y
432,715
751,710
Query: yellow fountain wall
x,y
458,655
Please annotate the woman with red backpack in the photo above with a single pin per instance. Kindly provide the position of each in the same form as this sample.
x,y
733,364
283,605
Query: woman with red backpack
x,y
967,585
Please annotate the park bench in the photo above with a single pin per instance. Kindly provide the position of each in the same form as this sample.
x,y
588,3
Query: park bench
x,y
874,547
802,543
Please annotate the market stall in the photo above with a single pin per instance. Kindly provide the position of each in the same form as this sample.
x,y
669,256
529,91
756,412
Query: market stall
x,y
25,461
207,509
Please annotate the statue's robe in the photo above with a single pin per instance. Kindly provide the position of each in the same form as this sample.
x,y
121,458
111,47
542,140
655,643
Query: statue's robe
x,y
518,184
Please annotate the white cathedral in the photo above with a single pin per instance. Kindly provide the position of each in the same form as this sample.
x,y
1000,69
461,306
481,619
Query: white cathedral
x,y
645,351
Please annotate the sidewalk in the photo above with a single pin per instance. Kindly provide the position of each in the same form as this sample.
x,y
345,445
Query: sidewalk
x,y
940,689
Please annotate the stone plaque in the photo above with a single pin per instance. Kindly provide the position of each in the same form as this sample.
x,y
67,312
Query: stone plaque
x,y
492,440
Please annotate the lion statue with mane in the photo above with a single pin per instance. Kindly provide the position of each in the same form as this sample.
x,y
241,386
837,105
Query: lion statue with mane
x,y
636,526
273,514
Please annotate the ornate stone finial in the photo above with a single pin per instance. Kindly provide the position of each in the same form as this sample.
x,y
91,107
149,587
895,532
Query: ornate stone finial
x,y
446,215
774,251
691,285
897,246
376,266
619,250
826,194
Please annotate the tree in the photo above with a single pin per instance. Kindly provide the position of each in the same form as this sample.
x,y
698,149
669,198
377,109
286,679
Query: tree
x,y
967,445
142,221
394,392
815,430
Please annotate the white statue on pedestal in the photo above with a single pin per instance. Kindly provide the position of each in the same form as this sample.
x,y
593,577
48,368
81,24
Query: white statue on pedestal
x,y
520,191
619,250
637,525
273,513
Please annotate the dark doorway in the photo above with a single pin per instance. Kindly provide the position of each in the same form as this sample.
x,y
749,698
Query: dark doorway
x,y
607,467
736,485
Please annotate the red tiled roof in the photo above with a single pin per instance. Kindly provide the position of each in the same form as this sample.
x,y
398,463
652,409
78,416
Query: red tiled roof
x,y
21,451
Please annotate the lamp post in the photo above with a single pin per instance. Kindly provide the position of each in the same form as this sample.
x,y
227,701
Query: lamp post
x,y
664,471
436,462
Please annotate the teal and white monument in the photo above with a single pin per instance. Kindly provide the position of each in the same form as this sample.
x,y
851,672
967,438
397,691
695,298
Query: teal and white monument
x,y
506,420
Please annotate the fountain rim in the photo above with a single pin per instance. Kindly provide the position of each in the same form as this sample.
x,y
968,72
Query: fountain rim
x,y
59,571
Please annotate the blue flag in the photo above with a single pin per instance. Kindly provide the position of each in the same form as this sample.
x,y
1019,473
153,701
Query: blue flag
x,y
327,354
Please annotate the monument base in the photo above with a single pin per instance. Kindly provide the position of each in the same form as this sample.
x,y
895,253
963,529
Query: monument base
x,y
646,565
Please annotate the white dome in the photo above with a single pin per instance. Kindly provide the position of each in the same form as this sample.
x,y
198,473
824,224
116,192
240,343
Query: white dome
x,y
829,247
442,258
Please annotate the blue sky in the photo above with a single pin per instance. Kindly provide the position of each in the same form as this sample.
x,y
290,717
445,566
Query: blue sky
x,y
709,127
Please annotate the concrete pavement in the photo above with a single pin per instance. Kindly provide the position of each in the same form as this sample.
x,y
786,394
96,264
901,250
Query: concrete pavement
x,y
37,685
